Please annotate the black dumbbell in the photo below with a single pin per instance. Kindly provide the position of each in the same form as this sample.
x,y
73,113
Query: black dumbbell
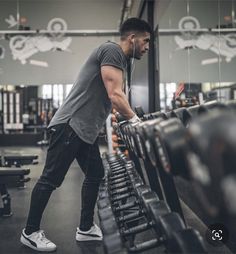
x,y
125,184
117,171
144,199
128,193
128,164
213,156
117,189
170,231
118,158
211,105
119,182
185,115
171,145
159,114
124,175
147,131
110,227
104,202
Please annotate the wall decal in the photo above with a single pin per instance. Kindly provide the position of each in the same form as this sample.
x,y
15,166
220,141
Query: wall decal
x,y
23,47
221,44
211,61
57,25
11,21
2,52
38,63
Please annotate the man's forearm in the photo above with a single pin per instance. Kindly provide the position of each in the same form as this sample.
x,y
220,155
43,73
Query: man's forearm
x,y
121,104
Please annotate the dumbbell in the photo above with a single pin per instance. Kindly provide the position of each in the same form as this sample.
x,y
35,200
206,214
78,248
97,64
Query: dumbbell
x,y
118,158
110,226
114,168
146,130
128,174
171,145
170,231
121,178
119,196
105,202
144,199
116,171
125,184
158,114
185,115
127,139
121,131
116,163
129,171
211,105
213,156
166,145
116,189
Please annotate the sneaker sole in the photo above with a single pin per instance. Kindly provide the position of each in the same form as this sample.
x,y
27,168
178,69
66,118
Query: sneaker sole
x,y
87,238
26,243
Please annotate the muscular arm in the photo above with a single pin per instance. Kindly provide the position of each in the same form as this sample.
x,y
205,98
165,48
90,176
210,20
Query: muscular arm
x,y
113,81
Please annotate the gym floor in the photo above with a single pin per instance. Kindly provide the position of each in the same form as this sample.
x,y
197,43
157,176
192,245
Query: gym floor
x,y
61,216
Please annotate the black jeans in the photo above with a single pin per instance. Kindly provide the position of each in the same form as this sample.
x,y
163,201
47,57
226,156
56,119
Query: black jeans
x,y
64,147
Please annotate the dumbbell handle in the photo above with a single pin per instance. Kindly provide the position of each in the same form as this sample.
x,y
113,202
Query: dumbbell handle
x,y
120,180
137,229
130,216
117,176
120,191
120,185
114,187
123,196
115,164
120,171
125,206
145,245
117,169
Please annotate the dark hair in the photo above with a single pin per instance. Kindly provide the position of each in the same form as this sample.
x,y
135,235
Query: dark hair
x,y
134,25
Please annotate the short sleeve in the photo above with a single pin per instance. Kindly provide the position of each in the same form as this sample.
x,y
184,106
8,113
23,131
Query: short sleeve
x,y
110,54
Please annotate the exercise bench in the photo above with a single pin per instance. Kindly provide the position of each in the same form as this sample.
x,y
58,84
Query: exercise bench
x,y
19,160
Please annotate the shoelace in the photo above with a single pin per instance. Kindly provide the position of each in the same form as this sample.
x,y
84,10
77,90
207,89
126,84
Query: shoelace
x,y
42,237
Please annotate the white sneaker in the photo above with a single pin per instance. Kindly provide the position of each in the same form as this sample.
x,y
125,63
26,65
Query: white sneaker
x,y
93,234
37,241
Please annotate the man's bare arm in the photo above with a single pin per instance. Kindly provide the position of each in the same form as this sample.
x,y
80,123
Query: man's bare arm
x,y
113,81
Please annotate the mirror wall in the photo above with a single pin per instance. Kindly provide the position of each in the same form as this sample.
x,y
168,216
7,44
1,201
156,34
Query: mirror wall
x,y
197,51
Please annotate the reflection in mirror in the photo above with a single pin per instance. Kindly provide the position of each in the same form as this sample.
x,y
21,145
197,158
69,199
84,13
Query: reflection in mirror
x,y
197,52
30,108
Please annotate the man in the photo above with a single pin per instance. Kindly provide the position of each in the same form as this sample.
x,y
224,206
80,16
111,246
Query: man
x,y
75,127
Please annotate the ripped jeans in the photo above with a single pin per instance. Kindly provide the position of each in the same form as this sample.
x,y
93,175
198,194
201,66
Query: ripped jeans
x,y
64,147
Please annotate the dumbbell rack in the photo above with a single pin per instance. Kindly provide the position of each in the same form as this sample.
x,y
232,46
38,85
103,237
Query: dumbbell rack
x,y
127,208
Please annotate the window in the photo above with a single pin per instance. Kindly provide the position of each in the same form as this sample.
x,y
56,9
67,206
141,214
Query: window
x,y
57,95
47,91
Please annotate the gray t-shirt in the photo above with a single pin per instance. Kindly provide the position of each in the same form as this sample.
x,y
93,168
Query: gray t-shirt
x,y
87,105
